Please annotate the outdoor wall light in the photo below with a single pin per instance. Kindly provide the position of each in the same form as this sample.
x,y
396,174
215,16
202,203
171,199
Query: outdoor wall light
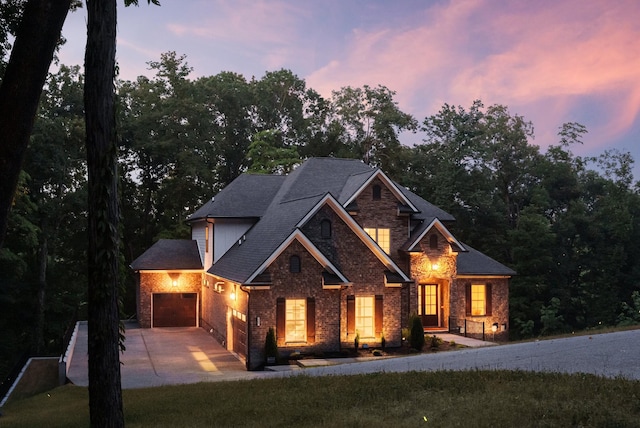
x,y
175,283
258,321
435,266
233,296
494,327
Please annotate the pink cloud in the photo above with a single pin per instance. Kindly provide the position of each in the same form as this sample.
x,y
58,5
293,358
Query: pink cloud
x,y
542,57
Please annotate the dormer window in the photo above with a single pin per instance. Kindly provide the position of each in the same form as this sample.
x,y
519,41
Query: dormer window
x,y
433,242
325,229
377,192
294,264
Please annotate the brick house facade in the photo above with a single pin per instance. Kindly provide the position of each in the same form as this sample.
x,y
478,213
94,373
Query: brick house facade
x,y
333,250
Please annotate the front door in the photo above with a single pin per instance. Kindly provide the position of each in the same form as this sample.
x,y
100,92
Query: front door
x,y
428,304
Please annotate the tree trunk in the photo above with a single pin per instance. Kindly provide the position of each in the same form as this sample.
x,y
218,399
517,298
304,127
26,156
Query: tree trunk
x,y
31,56
105,391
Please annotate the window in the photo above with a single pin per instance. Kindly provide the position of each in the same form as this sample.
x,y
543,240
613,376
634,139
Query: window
x,y
295,320
325,229
365,316
381,236
478,299
433,242
377,192
294,264
296,327
206,238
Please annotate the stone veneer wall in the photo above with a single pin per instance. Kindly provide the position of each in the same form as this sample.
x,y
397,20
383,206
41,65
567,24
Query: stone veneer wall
x,y
162,282
422,272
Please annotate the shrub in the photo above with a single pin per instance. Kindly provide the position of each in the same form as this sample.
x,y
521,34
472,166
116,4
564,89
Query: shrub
x,y
435,342
416,339
271,345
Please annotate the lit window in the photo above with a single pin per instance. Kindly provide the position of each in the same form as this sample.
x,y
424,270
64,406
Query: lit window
x,y
478,299
365,316
296,327
206,239
381,236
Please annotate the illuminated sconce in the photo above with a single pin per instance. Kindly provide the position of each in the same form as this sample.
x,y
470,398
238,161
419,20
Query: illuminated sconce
x,y
435,266
258,321
233,293
175,283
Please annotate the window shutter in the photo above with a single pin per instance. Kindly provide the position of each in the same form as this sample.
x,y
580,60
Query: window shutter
x,y
487,290
311,320
351,315
280,320
467,298
379,311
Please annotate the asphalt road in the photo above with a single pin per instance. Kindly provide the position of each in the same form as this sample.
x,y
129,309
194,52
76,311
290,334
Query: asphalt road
x,y
608,355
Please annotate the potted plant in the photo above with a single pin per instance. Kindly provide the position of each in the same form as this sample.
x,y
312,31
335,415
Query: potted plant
x,y
271,347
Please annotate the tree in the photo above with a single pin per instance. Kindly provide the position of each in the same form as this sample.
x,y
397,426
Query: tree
x,y
371,121
36,39
105,391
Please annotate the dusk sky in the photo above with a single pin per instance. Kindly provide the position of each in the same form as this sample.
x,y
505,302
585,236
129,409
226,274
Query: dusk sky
x,y
551,61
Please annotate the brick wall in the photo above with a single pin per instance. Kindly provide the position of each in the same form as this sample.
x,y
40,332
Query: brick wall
x,y
383,213
162,282
499,305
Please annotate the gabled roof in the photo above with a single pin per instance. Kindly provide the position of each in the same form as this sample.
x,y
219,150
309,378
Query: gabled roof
x,y
421,230
169,254
391,185
473,262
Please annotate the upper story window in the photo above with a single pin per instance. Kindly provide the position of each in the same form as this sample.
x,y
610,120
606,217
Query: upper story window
x,y
206,239
325,229
433,242
381,236
377,192
294,264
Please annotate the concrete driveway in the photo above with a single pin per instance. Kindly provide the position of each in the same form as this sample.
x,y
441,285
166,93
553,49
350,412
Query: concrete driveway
x,y
163,356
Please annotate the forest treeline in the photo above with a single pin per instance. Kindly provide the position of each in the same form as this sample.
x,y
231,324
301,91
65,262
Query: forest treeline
x,y
569,225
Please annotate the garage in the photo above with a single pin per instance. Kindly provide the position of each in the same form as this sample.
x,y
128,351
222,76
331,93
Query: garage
x,y
175,309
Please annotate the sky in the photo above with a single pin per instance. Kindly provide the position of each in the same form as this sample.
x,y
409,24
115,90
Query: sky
x,y
550,61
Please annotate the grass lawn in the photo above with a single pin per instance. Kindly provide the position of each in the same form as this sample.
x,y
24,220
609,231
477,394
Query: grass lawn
x,y
439,399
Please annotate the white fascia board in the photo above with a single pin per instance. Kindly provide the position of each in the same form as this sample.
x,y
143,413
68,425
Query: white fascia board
x,y
394,189
443,230
482,276
312,249
364,236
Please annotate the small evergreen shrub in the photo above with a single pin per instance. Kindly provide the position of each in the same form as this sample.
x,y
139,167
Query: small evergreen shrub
x,y
271,345
435,342
416,340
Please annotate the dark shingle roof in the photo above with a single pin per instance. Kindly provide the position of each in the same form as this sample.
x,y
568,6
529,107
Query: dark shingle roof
x,y
281,202
249,195
473,262
169,254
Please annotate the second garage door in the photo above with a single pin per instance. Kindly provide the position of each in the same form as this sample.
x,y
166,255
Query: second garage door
x,y
175,309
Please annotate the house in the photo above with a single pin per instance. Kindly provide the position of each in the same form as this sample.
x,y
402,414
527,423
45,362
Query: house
x,y
334,249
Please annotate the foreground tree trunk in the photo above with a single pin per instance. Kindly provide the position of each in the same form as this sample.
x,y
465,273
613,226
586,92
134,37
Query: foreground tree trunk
x,y
31,56
105,391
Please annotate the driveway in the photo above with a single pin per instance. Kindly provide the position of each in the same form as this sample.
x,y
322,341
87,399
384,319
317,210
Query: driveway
x,y
163,356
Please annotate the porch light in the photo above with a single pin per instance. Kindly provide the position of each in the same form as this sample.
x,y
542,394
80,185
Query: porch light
x,y
435,266
175,283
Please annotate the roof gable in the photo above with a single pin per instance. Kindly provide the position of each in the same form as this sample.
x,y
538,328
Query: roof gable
x,y
424,228
297,235
330,201
397,192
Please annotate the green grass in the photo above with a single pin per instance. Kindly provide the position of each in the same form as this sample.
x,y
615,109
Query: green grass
x,y
476,398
